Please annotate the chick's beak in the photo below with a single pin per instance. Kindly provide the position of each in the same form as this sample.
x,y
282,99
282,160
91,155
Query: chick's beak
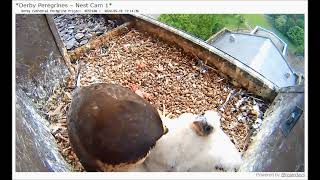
x,y
165,129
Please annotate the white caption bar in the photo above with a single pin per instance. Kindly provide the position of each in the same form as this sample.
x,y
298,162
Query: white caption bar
x,y
162,175
158,7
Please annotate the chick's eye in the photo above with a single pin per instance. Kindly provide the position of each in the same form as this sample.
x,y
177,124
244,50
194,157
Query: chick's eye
x,y
208,128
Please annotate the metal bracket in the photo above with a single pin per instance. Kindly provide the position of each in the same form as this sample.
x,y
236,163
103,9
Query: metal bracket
x,y
288,124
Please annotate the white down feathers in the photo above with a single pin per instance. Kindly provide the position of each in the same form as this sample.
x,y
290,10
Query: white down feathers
x,y
181,149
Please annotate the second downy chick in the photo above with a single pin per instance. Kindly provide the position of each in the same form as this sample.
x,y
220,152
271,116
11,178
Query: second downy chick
x,y
193,143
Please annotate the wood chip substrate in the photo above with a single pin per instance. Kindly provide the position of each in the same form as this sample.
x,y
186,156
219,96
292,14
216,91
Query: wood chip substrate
x,y
164,75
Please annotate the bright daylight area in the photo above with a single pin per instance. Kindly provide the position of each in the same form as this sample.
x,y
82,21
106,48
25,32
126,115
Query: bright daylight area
x,y
288,27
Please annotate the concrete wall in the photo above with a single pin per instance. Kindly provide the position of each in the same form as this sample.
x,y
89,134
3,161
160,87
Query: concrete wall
x,y
217,35
272,149
39,68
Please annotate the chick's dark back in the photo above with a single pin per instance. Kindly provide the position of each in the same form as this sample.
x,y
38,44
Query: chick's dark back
x,y
112,124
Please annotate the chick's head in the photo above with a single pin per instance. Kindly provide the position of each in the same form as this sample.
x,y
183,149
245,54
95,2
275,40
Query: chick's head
x,y
205,124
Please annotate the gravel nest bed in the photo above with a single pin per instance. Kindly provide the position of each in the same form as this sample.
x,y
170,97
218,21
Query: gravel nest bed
x,y
76,30
165,75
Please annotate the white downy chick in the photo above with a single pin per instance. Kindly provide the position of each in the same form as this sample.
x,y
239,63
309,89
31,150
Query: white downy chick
x,y
193,143
225,152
